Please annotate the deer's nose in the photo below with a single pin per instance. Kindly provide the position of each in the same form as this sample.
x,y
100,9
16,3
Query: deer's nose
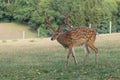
x,y
52,39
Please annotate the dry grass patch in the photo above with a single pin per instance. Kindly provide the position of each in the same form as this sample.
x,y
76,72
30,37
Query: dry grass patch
x,y
108,40
15,31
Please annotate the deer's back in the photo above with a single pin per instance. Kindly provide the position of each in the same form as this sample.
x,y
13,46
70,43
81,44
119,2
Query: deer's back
x,y
77,37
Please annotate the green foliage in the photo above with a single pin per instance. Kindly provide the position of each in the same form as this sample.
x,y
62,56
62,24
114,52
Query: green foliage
x,y
81,12
118,17
23,10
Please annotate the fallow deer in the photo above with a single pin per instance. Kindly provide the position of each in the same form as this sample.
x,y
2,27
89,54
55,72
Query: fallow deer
x,y
75,37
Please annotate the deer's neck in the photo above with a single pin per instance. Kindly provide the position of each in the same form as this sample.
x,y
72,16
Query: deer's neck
x,y
60,38
63,40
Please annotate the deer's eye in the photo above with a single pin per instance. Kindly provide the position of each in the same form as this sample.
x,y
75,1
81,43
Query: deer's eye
x,y
56,33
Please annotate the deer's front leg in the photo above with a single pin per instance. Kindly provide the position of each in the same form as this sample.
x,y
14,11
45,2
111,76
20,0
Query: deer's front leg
x,y
73,55
85,46
68,55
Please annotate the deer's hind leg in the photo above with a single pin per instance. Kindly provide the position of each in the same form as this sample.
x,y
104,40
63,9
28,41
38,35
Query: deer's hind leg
x,y
91,45
85,46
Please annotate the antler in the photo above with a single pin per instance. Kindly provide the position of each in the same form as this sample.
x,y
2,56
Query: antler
x,y
66,20
48,22
60,27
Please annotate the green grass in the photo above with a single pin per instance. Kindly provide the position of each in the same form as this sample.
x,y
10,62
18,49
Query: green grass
x,y
45,60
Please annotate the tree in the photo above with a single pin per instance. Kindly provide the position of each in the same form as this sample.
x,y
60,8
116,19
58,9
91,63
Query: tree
x,y
23,10
81,12
118,17
109,10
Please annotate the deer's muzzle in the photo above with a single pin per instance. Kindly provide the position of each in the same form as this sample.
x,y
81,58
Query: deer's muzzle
x,y
52,39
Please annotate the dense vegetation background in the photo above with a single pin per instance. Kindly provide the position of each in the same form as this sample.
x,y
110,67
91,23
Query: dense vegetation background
x,y
81,12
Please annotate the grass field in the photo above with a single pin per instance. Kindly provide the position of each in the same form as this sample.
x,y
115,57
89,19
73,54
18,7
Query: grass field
x,y
42,59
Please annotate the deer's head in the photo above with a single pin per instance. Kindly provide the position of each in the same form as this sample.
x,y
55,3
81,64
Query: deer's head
x,y
56,32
